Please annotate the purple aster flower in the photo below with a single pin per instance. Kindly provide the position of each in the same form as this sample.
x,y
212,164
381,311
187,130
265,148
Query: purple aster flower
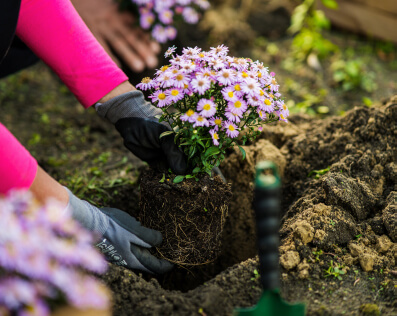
x,y
165,79
190,15
180,79
161,98
221,50
215,137
207,107
250,87
231,129
216,122
266,105
233,117
200,84
170,51
166,16
230,94
201,121
146,20
189,116
159,33
253,100
262,114
237,107
145,84
171,32
226,77
175,94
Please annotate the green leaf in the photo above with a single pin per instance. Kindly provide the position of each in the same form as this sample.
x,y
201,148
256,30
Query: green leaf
x,y
331,4
242,151
189,176
178,179
196,170
166,133
163,178
212,151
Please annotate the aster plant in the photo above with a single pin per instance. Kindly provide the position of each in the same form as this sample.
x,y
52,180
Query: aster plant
x,y
159,16
44,257
213,102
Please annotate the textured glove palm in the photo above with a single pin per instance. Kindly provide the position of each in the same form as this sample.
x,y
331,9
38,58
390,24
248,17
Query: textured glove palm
x,y
124,240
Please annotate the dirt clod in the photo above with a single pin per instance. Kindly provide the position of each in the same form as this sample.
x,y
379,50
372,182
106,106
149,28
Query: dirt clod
x,y
290,260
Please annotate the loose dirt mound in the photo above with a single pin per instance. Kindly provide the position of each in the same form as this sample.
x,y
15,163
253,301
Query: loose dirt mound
x,y
343,216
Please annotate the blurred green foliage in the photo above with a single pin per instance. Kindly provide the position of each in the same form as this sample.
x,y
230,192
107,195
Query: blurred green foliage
x,y
308,23
353,74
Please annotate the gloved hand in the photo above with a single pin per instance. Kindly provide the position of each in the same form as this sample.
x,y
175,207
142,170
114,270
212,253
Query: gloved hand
x,y
124,241
135,120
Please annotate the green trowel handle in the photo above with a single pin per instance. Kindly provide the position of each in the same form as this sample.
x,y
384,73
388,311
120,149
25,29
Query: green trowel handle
x,y
267,208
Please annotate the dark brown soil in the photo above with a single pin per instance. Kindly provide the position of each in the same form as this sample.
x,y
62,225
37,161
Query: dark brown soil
x,y
190,215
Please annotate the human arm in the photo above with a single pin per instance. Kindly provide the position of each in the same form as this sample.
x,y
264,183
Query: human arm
x,y
114,30
121,237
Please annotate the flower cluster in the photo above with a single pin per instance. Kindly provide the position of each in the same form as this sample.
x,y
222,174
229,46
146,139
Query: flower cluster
x,y
216,97
43,253
159,15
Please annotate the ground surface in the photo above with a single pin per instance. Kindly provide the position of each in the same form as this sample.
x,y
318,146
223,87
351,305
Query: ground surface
x,y
340,218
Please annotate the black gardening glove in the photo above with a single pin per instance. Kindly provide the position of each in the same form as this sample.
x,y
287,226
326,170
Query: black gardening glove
x,y
135,120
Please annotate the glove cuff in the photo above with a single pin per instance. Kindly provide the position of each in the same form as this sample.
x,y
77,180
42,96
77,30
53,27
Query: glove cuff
x,y
129,104
87,215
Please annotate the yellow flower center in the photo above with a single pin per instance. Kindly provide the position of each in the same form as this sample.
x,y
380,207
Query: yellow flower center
x,y
237,87
146,80
175,71
190,112
161,96
200,83
218,122
274,81
174,92
201,55
260,113
185,86
207,107
244,74
267,102
231,128
225,75
261,92
216,136
200,118
179,77
164,68
259,74
237,104
284,107
271,95
230,94
282,116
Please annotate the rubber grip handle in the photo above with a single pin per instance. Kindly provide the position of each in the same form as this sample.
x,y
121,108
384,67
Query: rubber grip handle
x,y
266,205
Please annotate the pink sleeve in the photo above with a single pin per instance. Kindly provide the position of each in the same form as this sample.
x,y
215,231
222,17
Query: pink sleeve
x,y
56,33
17,167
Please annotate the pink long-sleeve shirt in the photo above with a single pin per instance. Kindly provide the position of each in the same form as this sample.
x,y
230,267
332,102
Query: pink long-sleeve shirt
x,y
55,32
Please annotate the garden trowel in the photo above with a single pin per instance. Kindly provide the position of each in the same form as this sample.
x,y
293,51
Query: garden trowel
x,y
267,210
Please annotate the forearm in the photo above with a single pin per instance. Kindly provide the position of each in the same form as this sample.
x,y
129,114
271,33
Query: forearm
x,y
56,33
17,167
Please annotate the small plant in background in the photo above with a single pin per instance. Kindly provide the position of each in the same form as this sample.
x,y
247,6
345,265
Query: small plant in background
x,y
44,259
334,270
353,74
316,174
159,15
213,101
308,23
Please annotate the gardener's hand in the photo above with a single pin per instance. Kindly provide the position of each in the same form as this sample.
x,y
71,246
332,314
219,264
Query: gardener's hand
x,y
124,240
135,120
114,30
